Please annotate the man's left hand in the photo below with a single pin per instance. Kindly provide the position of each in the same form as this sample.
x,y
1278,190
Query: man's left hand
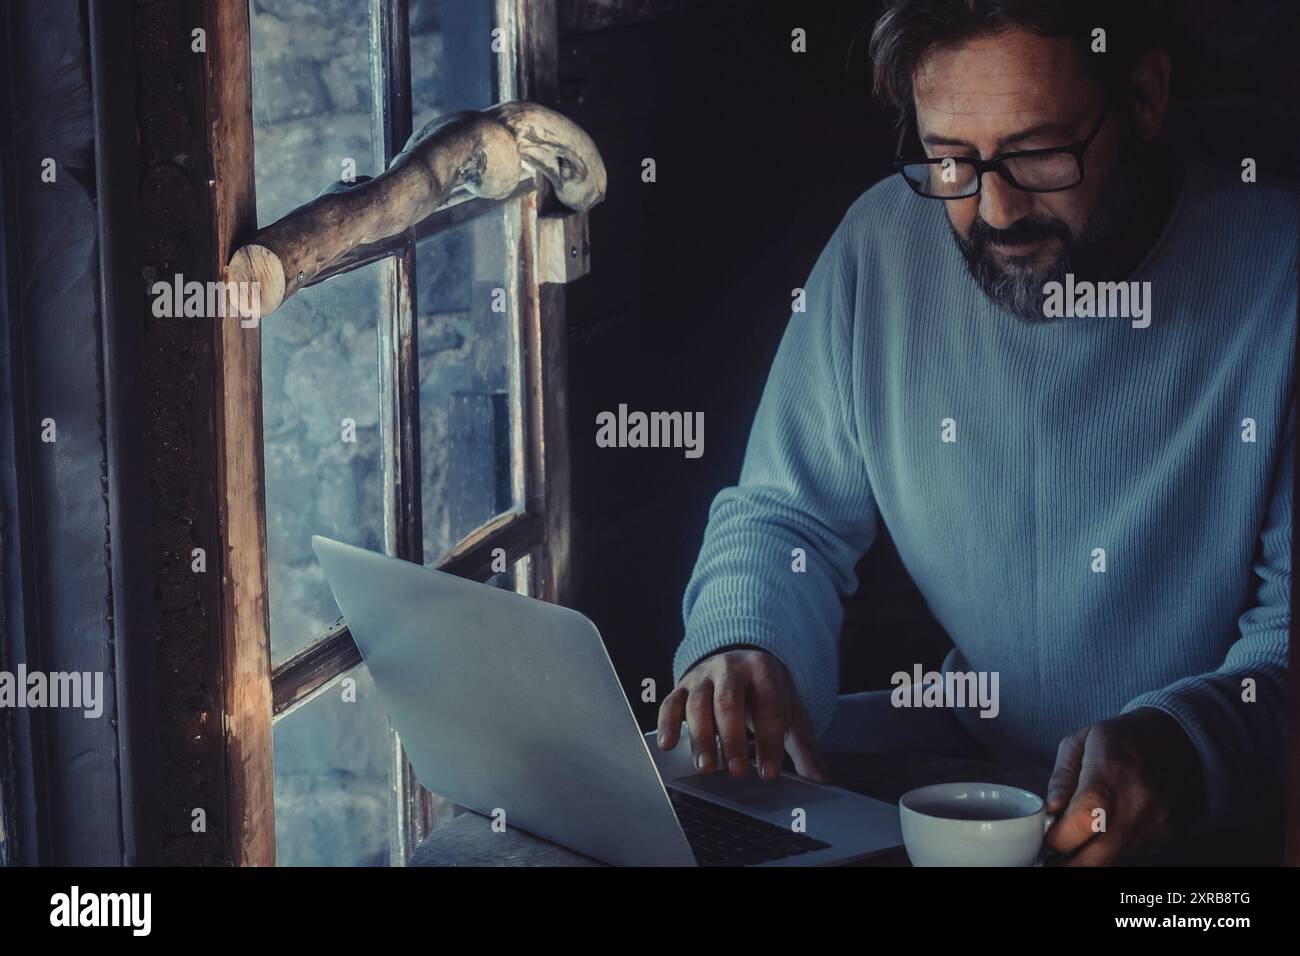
x,y
1122,787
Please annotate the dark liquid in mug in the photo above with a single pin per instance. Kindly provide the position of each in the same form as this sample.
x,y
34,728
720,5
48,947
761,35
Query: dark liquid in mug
x,y
977,813
972,811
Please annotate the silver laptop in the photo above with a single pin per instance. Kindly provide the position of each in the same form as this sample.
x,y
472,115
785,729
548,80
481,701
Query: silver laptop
x,y
507,703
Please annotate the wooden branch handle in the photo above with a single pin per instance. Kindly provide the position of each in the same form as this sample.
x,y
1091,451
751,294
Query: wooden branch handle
x,y
486,153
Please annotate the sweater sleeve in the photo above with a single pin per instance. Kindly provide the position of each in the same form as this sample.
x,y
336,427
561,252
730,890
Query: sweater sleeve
x,y
1236,715
781,546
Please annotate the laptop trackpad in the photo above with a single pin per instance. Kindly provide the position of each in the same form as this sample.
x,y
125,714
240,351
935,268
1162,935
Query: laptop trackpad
x,y
758,794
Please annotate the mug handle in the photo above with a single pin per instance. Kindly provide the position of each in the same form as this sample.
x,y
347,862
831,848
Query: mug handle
x,y
1048,820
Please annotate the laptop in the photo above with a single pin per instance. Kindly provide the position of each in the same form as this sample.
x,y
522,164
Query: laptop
x,y
507,704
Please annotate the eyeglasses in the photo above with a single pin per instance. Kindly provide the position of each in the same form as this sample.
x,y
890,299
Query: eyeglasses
x,y
1033,170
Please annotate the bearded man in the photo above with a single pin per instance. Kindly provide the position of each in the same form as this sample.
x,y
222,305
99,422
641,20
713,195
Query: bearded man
x,y
1096,508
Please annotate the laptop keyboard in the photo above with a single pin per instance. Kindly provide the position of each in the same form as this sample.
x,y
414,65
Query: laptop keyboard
x,y
721,836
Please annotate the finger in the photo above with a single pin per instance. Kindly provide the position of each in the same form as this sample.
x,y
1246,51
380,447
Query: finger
x,y
1102,850
1108,846
1065,776
699,723
671,714
801,744
729,713
767,711
1136,823
1077,823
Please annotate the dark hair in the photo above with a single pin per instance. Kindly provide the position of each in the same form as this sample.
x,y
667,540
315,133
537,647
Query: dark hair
x,y
907,28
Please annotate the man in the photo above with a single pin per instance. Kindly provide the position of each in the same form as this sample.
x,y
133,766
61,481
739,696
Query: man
x,y
1096,506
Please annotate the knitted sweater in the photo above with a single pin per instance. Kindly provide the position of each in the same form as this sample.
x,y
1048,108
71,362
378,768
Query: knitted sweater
x,y
1083,503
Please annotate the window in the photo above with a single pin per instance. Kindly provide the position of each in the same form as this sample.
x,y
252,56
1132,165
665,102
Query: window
x,y
405,402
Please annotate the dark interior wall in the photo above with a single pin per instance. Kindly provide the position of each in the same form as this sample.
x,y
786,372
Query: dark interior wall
x,y
759,152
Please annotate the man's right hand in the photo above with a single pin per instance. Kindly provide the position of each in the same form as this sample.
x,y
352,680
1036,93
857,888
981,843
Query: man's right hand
x,y
729,691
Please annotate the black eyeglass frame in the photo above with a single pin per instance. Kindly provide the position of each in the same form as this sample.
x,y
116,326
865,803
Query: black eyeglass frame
x,y
994,165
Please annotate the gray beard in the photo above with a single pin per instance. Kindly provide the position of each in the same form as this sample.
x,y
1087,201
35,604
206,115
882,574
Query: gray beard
x,y
1020,292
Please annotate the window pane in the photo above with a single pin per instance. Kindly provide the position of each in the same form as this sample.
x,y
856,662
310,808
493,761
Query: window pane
x,y
514,578
452,63
324,468
469,377
311,99
332,763
311,128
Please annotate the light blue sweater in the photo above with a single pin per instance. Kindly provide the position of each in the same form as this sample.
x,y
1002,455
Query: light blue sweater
x,y
1072,435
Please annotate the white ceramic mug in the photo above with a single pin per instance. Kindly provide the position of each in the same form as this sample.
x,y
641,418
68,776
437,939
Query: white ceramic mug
x,y
972,824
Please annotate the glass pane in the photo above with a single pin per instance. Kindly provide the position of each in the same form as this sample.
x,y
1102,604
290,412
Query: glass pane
x,y
452,63
311,128
332,763
516,577
311,99
469,377
324,467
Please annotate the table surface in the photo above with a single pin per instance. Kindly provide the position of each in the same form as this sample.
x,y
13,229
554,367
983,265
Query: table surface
x,y
467,840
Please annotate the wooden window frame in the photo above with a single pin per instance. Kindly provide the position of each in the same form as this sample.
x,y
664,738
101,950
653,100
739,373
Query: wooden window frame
x,y
256,693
